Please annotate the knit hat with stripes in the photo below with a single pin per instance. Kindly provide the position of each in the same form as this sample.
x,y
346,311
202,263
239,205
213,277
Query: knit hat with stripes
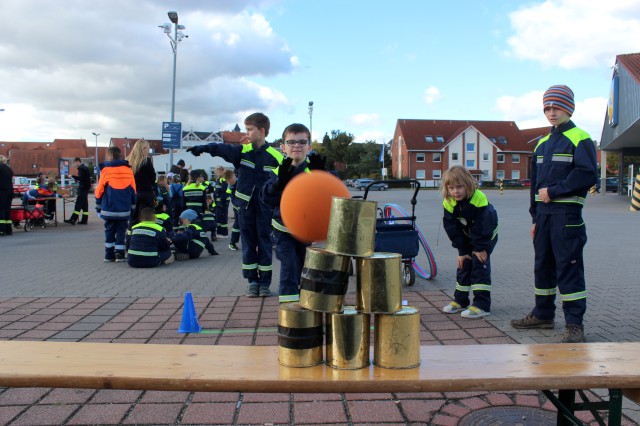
x,y
561,97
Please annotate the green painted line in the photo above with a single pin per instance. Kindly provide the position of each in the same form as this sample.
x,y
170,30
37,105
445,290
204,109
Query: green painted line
x,y
238,330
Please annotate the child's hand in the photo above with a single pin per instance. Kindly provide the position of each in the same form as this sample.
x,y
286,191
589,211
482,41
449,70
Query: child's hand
x,y
461,260
481,255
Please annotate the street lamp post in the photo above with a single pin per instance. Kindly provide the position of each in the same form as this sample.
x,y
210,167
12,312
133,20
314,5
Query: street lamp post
x,y
96,135
311,120
177,37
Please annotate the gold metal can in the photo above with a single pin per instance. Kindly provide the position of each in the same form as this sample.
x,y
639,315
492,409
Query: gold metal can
x,y
348,337
352,227
396,339
300,336
379,283
324,281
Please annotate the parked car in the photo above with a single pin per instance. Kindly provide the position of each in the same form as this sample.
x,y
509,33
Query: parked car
x,y
20,185
525,182
512,183
612,184
361,184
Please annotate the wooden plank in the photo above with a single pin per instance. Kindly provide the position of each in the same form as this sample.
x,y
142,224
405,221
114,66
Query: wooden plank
x,y
256,369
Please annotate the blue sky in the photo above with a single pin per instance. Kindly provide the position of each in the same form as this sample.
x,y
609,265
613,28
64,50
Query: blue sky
x,y
73,67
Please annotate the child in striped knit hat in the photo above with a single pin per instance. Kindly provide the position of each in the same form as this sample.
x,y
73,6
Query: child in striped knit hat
x,y
563,168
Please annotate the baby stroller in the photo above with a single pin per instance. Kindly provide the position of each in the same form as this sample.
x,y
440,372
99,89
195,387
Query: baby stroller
x,y
400,234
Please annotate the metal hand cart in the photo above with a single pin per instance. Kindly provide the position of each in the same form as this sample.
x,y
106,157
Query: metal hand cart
x,y
399,234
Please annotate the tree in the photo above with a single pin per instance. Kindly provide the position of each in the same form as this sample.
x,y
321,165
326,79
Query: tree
x,y
336,150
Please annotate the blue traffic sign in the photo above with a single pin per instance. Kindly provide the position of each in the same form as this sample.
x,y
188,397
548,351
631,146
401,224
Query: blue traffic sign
x,y
171,135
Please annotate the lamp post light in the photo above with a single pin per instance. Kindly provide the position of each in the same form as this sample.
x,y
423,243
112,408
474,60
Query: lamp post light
x,y
177,37
96,135
311,120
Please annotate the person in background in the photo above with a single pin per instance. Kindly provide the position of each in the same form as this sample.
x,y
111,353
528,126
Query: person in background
x,y
177,201
115,200
82,196
145,175
191,242
149,246
471,223
256,163
563,168
6,195
194,194
231,179
222,203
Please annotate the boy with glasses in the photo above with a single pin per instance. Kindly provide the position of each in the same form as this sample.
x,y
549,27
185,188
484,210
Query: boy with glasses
x,y
296,144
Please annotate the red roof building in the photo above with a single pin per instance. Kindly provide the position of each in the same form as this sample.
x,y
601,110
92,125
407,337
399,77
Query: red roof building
x,y
492,150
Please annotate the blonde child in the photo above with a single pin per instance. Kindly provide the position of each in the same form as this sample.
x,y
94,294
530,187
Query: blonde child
x,y
471,223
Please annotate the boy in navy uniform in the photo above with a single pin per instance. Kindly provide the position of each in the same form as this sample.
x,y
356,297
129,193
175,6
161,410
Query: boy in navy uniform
x,y
563,168
222,203
256,163
230,177
195,193
149,246
82,197
296,144
191,242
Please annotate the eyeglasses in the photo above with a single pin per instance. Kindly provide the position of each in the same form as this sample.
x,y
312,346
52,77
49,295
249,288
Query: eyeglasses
x,y
301,142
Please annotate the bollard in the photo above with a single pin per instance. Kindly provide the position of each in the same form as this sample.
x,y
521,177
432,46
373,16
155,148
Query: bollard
x,y
635,195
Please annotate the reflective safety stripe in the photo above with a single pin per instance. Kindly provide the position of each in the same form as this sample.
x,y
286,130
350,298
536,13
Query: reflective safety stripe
x,y
289,298
279,226
481,287
539,159
109,245
249,267
269,169
198,242
107,213
495,233
575,226
573,296
247,163
465,288
143,253
575,199
265,268
242,196
545,291
563,158
76,212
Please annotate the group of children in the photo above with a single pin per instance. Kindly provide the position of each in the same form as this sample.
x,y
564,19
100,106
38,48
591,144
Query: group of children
x,y
176,229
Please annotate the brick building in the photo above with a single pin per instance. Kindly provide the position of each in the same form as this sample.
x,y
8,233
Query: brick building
x,y
491,150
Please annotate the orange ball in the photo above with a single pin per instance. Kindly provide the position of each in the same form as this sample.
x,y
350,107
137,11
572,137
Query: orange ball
x,y
306,204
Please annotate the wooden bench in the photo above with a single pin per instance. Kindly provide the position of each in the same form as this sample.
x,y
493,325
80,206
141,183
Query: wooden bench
x,y
568,367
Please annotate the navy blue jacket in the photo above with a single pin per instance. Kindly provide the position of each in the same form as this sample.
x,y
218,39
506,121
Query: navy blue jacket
x,y
271,195
471,224
565,163
194,238
147,239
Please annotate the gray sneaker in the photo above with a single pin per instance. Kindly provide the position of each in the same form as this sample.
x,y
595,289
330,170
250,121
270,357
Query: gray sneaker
x,y
573,333
531,321
252,291
265,292
120,257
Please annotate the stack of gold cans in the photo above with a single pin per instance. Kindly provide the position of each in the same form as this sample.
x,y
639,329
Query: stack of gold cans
x,y
324,283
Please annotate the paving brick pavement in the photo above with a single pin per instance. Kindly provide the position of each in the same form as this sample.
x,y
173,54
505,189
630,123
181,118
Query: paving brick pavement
x,y
54,286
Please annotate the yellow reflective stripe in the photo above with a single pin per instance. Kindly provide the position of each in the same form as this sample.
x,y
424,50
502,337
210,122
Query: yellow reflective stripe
x,y
575,226
574,200
265,268
247,163
495,233
573,296
278,226
142,253
545,291
465,288
250,266
242,196
481,287
289,298
198,242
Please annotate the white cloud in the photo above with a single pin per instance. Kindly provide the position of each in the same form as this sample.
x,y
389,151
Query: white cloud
x,y
575,33
365,120
72,68
526,111
431,95
371,135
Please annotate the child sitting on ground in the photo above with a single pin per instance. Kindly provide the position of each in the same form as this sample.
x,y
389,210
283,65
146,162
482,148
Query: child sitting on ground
x,y
149,246
190,243
471,223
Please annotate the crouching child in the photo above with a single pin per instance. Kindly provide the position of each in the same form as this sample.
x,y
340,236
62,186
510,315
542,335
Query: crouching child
x,y
149,246
191,242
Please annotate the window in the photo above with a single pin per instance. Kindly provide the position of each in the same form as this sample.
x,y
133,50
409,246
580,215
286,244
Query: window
x,y
454,156
515,158
502,139
436,174
471,147
437,157
492,139
500,158
470,164
440,139
485,156
515,174
420,174
485,174
500,174
420,157
428,139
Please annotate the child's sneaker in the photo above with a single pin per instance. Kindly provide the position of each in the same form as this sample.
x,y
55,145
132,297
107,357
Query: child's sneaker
x,y
109,259
473,312
453,308
120,258
170,259
252,291
233,246
265,292
182,256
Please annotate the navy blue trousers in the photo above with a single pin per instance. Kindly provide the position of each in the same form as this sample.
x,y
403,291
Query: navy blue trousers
x,y
115,231
558,243
137,261
222,213
474,276
235,229
255,234
291,253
